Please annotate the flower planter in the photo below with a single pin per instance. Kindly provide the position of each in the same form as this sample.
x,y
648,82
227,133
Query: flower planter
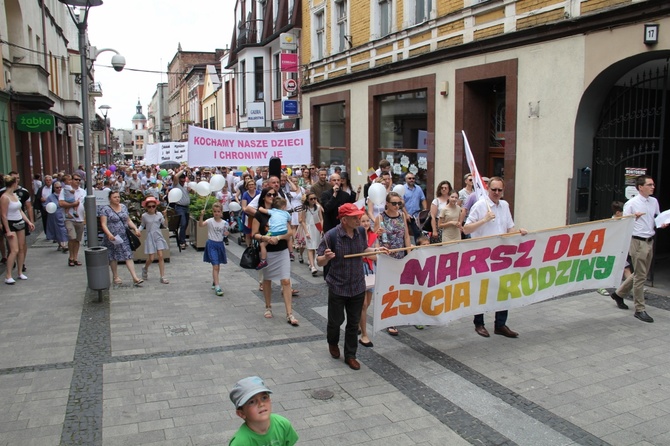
x,y
198,235
140,256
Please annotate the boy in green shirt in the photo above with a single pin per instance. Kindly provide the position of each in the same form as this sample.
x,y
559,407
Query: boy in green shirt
x,y
261,427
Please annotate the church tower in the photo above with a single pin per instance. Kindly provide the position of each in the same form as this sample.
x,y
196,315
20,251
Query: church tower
x,y
139,133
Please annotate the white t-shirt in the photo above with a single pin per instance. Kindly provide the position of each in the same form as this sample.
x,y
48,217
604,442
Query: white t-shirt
x,y
216,230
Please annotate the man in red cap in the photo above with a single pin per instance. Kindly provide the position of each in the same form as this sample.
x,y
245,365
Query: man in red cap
x,y
345,279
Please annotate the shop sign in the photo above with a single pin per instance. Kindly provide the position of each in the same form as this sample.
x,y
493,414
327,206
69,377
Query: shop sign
x,y
285,125
35,122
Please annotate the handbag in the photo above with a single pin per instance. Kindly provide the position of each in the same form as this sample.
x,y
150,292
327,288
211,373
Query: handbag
x,y
133,240
251,257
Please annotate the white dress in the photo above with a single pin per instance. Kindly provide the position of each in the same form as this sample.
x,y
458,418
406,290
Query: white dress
x,y
311,219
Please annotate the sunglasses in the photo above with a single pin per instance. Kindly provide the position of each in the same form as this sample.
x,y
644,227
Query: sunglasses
x,y
495,190
270,195
312,199
77,179
395,203
151,207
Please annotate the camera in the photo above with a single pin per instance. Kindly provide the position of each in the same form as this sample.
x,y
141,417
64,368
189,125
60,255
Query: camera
x,y
118,62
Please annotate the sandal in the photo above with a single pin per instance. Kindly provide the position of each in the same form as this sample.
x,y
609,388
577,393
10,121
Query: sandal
x,y
294,292
291,320
392,331
70,262
77,263
260,287
164,280
145,273
138,282
268,313
118,281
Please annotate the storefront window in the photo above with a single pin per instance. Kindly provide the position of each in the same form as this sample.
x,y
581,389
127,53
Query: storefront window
x,y
403,135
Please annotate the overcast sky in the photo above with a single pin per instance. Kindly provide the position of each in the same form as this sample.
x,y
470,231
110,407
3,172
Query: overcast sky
x,y
146,33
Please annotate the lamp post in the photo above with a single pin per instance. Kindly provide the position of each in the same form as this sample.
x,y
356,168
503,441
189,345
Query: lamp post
x,y
118,62
105,109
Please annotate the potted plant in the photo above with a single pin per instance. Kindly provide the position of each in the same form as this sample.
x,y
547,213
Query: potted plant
x,y
197,234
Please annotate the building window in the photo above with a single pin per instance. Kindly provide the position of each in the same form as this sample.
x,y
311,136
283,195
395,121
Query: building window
x,y
205,121
331,134
422,9
228,97
385,13
243,87
403,134
341,15
258,79
277,90
319,36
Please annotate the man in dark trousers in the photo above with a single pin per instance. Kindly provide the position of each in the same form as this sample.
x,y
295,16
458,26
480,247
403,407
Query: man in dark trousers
x,y
331,200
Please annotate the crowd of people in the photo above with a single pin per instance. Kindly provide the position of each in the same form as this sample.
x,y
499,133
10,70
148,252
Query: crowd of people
x,y
302,213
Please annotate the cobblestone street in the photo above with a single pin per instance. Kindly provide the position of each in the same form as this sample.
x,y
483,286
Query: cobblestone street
x,y
154,365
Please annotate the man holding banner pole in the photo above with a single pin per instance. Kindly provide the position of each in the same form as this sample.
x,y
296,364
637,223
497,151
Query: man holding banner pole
x,y
491,215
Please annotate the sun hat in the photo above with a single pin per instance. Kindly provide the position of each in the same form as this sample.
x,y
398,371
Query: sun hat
x,y
149,200
246,388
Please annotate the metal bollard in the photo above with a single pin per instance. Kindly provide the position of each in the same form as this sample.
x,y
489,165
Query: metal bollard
x,y
97,267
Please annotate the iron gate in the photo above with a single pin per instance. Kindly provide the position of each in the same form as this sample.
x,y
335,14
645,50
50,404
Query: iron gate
x,y
630,134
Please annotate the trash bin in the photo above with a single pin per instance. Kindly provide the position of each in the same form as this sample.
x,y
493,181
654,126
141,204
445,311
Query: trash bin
x,y
97,267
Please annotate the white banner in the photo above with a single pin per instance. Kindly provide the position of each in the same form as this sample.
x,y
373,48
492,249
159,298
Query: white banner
x,y
217,148
436,285
173,151
151,155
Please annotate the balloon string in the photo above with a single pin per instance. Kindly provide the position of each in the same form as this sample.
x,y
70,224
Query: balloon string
x,y
206,201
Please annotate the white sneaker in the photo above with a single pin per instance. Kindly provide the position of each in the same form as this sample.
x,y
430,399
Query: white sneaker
x,y
10,281
23,277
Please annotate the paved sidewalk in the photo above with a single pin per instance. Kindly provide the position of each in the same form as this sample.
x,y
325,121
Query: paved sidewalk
x,y
154,365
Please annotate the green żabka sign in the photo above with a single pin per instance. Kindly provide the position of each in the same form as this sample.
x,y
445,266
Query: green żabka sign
x,y
35,122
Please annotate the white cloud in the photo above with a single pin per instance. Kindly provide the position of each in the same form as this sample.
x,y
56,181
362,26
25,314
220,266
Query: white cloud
x,y
147,33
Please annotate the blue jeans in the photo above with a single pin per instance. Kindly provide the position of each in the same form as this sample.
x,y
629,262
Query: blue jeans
x,y
501,319
182,211
337,305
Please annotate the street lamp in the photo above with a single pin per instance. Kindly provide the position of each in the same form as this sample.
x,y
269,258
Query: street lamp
x,y
118,62
105,109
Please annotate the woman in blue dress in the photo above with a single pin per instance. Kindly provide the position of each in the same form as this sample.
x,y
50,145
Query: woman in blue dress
x,y
113,220
55,229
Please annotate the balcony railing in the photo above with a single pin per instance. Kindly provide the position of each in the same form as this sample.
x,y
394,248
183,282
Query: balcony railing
x,y
249,32
95,88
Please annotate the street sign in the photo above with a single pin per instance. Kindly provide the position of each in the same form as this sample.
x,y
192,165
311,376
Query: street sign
x,y
289,107
290,85
288,62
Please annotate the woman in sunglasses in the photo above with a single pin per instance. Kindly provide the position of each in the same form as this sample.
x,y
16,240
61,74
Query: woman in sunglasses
x,y
392,232
278,260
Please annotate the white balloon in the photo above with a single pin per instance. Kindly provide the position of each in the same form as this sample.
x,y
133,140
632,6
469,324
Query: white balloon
x,y
217,182
192,185
174,195
399,189
51,208
377,193
202,188
234,206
